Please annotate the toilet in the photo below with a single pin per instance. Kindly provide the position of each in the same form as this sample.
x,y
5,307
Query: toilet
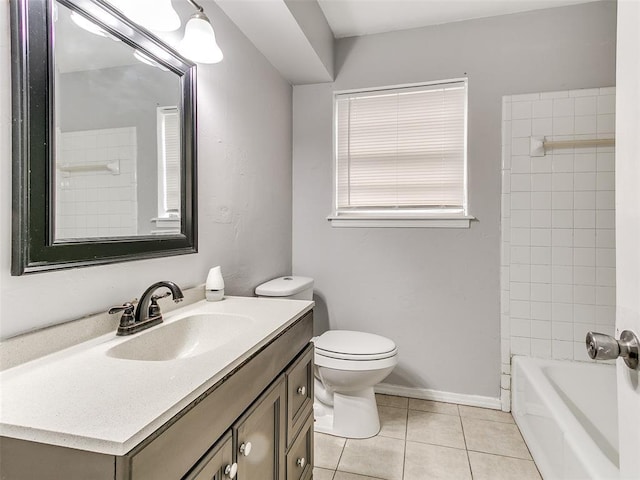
x,y
348,365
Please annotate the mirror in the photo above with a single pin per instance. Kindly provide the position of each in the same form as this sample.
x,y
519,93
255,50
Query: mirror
x,y
104,139
117,155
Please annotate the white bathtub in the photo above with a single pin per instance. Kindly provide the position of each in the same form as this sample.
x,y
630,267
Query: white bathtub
x,y
567,413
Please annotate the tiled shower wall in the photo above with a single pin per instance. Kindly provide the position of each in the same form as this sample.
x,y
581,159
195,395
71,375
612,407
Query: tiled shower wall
x,y
558,231
97,203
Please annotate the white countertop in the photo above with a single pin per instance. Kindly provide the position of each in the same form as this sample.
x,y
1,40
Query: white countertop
x,y
82,398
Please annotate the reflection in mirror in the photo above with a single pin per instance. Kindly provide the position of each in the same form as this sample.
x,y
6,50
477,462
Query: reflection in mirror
x,y
117,136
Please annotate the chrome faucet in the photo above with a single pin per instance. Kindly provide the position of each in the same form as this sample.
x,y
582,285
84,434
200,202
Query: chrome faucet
x,y
147,314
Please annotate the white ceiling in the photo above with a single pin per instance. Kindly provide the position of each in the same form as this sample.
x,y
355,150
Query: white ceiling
x,y
349,18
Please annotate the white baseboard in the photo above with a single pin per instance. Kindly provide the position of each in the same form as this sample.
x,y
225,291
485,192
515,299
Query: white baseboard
x,y
438,396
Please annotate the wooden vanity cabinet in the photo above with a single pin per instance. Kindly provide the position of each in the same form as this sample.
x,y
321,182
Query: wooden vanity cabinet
x,y
258,402
257,442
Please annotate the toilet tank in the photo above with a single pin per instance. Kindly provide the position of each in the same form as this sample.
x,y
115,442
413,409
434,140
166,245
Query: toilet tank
x,y
293,287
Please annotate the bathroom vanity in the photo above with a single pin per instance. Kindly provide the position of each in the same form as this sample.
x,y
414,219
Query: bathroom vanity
x,y
240,409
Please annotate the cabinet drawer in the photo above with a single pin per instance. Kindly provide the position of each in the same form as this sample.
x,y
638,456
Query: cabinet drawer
x,y
213,465
299,392
300,455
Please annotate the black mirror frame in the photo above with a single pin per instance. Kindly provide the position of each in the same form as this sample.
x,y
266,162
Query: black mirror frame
x,y
33,245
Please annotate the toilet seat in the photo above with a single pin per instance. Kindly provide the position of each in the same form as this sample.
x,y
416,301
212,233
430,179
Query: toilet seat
x,y
356,357
350,345
349,350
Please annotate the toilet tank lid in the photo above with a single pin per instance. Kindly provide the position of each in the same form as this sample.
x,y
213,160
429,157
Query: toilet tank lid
x,y
354,343
284,286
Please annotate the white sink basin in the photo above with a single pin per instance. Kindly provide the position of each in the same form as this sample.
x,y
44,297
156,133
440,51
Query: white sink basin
x,y
187,337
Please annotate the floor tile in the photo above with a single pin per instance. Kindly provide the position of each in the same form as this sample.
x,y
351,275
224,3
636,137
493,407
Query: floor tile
x,y
351,476
380,457
485,414
495,467
435,428
391,400
494,437
393,422
428,440
322,474
435,407
327,450
433,462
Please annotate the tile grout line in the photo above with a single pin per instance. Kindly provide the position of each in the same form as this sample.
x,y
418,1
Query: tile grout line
x,y
340,458
502,455
406,433
466,447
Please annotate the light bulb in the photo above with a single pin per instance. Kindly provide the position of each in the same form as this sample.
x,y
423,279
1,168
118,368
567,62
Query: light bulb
x,y
199,42
144,58
87,25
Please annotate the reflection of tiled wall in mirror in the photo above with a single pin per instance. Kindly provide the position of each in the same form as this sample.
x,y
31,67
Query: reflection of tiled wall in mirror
x,y
96,191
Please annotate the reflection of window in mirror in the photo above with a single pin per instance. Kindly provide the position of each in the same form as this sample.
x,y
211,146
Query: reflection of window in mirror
x,y
168,122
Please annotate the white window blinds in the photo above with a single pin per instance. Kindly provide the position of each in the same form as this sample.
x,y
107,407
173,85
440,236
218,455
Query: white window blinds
x,y
402,149
168,161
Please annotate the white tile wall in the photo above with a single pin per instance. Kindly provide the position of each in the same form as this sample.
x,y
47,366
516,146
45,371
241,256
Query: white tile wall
x,y
558,225
99,203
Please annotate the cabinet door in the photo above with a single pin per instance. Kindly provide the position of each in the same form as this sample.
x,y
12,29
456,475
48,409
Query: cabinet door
x,y
217,464
299,392
259,437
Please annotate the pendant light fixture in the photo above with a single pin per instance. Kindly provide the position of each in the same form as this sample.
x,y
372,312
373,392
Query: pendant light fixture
x,y
199,41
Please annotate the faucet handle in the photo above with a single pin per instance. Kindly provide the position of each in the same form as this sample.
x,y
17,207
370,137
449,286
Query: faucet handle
x,y
155,298
127,309
154,308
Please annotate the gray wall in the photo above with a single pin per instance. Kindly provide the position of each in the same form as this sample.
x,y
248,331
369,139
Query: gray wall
x,y
313,23
116,97
435,291
244,197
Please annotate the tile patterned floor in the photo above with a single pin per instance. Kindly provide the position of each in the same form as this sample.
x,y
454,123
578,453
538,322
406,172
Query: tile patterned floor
x,y
424,440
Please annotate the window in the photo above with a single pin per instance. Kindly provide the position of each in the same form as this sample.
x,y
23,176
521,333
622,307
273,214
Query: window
x,y
400,154
169,167
168,162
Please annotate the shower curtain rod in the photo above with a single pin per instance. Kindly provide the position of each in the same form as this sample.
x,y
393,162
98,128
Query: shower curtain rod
x,y
112,167
539,145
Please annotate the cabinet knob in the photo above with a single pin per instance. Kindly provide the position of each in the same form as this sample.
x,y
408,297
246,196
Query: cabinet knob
x,y
302,390
245,449
231,470
301,462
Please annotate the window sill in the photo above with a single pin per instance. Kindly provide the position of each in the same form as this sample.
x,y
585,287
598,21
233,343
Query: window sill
x,y
433,221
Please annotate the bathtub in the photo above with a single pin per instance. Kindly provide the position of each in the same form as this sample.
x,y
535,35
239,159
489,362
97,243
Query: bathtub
x,y
568,415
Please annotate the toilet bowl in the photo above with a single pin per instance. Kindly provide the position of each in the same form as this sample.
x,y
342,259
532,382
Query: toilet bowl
x,y
348,365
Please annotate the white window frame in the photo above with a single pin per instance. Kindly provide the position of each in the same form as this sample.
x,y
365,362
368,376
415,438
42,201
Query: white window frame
x,y
372,217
